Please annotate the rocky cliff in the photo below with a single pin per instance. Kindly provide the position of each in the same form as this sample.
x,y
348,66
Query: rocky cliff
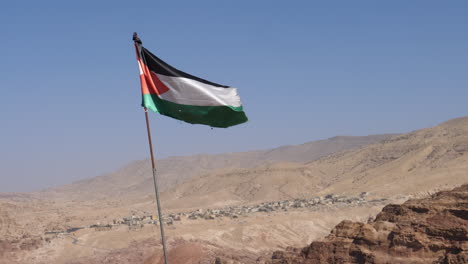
x,y
431,230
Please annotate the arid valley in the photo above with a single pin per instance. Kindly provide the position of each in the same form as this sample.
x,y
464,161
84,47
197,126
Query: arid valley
x,y
243,207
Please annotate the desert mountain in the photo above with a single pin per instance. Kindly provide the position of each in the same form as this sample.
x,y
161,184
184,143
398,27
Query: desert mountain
x,y
430,230
136,178
419,161
88,221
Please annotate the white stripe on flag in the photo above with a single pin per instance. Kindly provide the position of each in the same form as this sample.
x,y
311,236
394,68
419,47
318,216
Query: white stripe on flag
x,y
191,92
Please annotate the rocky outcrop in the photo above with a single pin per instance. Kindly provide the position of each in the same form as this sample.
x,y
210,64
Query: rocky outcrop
x,y
431,230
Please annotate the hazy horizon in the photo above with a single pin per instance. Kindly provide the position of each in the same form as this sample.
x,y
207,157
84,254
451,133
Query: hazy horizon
x,y
123,165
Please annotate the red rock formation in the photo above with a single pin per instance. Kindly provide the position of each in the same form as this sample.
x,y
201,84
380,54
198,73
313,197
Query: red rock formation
x,y
431,230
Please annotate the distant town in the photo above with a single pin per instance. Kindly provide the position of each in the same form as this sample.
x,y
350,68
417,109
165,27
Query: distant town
x,y
137,221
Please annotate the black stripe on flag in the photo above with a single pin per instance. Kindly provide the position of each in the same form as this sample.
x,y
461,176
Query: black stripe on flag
x,y
158,66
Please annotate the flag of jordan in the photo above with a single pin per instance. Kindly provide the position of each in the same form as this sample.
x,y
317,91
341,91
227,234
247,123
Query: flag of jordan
x,y
171,92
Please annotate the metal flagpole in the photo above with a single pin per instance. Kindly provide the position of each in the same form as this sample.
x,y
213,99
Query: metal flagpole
x,y
138,44
156,187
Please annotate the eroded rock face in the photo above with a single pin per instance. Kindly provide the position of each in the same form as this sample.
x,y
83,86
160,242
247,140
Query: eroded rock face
x,y
431,230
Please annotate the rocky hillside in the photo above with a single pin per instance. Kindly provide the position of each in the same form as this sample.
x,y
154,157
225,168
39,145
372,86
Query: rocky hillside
x,y
431,230
409,164
135,179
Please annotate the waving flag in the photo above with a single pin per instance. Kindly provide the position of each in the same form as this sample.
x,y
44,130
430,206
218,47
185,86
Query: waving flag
x,y
171,92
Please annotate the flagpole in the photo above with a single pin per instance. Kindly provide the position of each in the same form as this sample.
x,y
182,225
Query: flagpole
x,y
138,44
158,203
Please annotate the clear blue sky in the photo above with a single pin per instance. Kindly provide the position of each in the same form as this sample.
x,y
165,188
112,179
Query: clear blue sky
x,y
305,70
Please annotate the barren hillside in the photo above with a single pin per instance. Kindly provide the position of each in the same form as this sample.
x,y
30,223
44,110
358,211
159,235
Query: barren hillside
x,y
135,180
411,163
208,223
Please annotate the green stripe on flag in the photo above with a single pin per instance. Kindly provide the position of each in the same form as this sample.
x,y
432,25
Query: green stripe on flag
x,y
215,116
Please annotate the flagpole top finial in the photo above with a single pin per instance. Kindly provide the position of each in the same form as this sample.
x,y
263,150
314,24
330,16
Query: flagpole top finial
x,y
136,38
